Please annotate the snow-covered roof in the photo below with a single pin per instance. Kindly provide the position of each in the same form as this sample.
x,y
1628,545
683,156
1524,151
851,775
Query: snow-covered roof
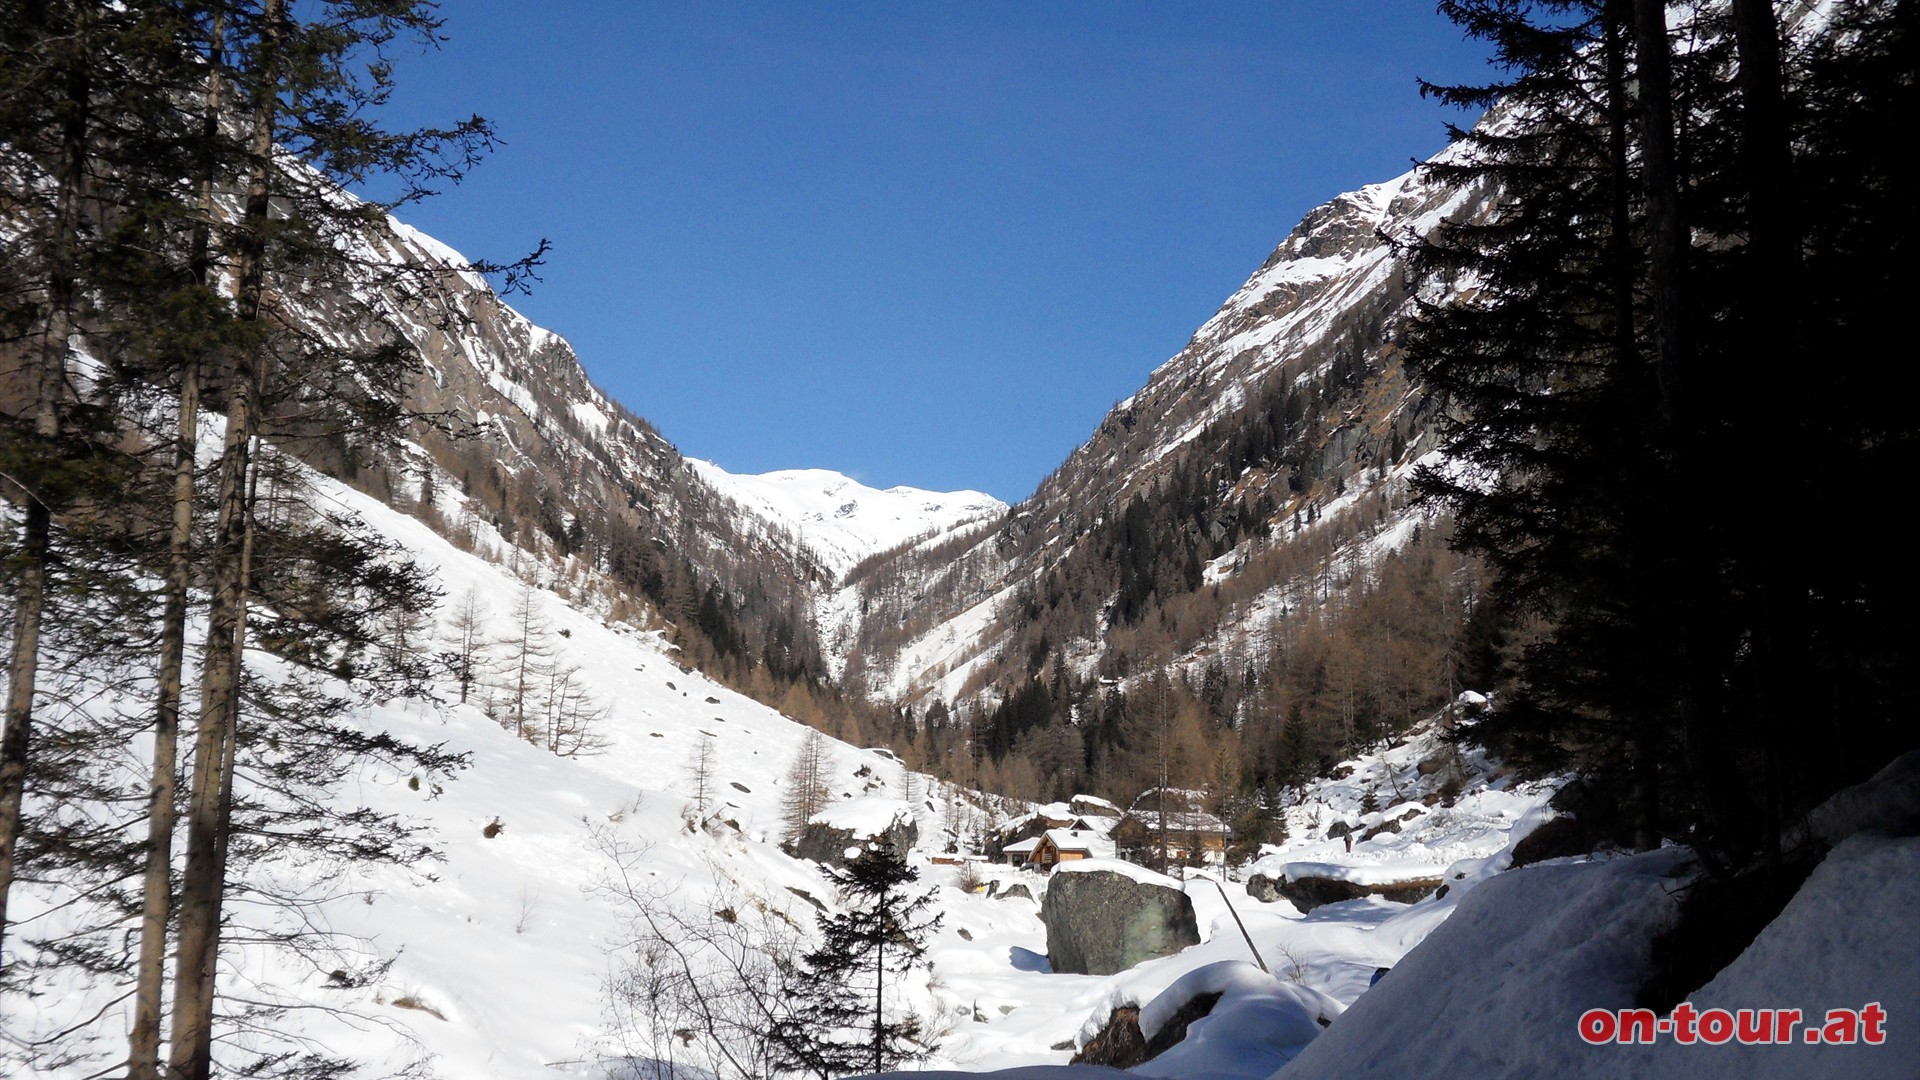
x,y
1095,845
1021,847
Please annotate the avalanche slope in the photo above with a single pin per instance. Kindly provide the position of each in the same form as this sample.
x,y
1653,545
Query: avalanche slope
x,y
499,952
492,962
840,520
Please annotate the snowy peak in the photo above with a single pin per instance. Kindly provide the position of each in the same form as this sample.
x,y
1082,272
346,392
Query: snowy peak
x,y
840,520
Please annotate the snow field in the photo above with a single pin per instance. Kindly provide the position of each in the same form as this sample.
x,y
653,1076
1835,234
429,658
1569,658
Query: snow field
x,y
842,520
499,953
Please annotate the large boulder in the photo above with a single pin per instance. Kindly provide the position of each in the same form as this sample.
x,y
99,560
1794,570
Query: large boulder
x,y
1263,888
1102,921
1307,885
844,826
1308,892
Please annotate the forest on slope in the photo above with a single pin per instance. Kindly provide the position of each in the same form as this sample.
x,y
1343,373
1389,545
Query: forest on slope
x,y
1574,434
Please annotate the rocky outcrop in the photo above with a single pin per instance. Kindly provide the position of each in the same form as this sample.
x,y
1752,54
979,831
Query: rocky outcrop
x,y
1307,893
1013,890
1564,835
1392,825
1121,1044
823,843
1263,888
1101,921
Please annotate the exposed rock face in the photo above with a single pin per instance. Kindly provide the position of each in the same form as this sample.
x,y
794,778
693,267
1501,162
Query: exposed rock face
x,y
1263,888
1308,893
1198,1007
822,843
1564,835
1120,1045
1100,922
1090,805
1013,890
1335,282
1392,825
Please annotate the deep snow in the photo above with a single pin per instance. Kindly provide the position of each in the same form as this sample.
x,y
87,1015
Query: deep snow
x,y
841,520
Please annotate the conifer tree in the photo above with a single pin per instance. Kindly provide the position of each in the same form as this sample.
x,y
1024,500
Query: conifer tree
x,y
1600,369
1555,405
843,1020
83,129
160,106
701,763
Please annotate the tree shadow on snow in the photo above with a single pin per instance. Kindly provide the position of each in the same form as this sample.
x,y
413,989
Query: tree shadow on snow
x,y
639,1068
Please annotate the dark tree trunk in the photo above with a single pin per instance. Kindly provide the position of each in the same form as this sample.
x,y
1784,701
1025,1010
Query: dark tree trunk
x,y
1769,322
209,806
143,1055
23,665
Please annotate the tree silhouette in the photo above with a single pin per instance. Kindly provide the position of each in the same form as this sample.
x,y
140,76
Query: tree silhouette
x,y
842,1023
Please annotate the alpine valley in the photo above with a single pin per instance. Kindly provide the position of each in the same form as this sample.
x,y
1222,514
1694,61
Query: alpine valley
x,y
609,793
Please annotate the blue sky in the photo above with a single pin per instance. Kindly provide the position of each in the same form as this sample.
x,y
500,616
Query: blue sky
x,y
924,244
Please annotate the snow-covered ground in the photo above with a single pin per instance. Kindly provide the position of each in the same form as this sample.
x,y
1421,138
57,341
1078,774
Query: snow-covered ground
x,y
841,520
1023,1015
500,953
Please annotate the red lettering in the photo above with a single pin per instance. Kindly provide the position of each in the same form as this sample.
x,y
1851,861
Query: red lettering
x,y
1683,1018
1637,1025
1598,1026
1716,1026
1752,1027
1874,1019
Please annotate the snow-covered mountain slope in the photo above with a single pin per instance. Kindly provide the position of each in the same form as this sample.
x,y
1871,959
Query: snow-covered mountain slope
x,y
1287,417
494,961
508,417
840,520
498,954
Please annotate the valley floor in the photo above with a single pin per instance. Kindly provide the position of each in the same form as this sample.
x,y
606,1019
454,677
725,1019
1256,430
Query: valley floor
x,y
497,957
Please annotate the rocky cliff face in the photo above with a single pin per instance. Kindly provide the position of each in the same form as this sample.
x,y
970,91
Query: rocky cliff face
x,y
1287,416
1286,411
517,451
